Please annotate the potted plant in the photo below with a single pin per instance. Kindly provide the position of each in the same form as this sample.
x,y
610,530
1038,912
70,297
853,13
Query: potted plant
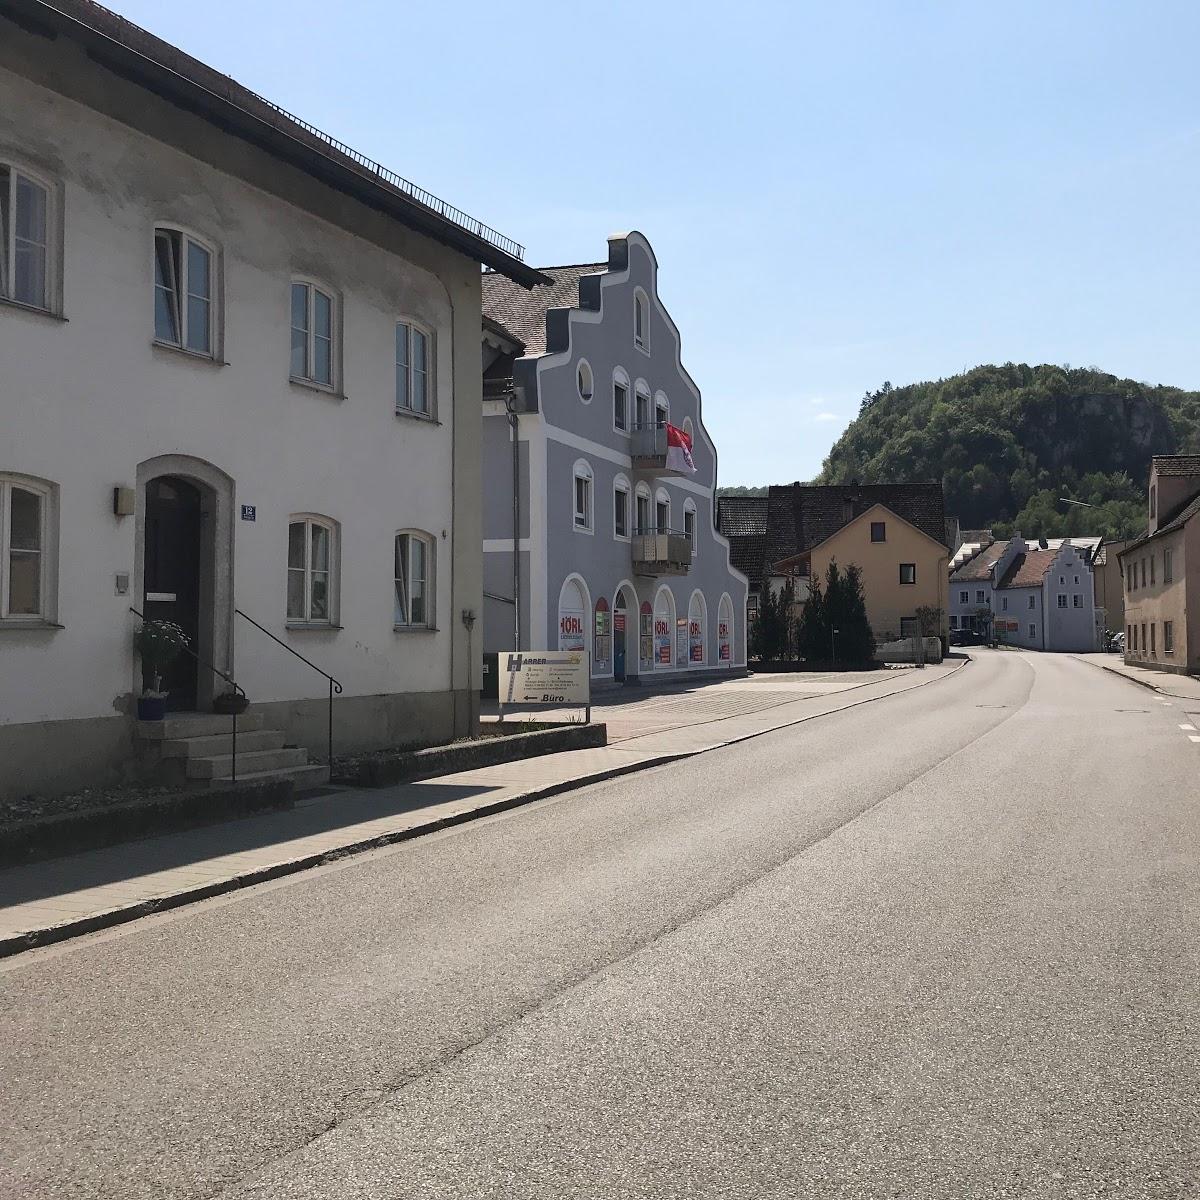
x,y
231,703
159,643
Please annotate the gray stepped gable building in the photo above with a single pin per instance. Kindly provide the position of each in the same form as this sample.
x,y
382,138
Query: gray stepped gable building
x,y
618,554
1036,595
240,376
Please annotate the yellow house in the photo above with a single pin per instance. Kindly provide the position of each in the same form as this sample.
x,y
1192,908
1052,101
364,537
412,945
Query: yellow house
x,y
903,569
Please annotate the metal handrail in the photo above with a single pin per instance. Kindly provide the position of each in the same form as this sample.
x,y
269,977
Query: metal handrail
x,y
334,686
658,530
229,679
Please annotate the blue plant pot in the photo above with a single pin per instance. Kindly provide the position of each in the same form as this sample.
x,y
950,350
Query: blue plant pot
x,y
151,708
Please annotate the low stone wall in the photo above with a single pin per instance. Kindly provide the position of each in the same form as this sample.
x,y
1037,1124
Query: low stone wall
x,y
904,650
94,828
383,768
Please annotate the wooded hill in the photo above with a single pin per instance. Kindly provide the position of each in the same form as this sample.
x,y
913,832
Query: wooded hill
x,y
1008,441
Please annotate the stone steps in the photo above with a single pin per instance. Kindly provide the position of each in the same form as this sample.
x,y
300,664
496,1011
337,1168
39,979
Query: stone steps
x,y
190,725
214,766
222,743
309,775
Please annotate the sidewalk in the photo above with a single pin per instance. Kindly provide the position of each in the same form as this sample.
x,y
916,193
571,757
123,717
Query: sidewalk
x,y
50,901
1182,687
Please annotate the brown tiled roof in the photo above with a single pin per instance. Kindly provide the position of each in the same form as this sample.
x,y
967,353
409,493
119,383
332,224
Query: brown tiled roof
x,y
523,311
803,515
740,515
979,566
1181,518
133,52
1177,464
1028,569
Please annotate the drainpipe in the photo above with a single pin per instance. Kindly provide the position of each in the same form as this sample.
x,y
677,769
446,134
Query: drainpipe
x,y
514,424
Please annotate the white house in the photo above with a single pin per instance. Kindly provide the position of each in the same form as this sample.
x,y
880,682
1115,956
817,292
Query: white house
x,y
240,390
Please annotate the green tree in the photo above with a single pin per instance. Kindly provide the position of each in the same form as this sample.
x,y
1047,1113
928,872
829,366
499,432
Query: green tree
x,y
812,631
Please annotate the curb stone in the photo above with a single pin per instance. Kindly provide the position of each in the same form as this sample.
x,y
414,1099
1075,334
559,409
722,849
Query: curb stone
x,y
36,938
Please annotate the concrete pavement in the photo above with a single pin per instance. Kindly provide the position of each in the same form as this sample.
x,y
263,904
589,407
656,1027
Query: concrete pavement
x,y
941,945
1167,683
49,901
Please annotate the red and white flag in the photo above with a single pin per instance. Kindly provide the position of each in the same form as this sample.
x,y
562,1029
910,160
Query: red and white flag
x,y
679,451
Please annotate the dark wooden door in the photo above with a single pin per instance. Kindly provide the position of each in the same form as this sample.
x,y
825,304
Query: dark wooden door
x,y
172,576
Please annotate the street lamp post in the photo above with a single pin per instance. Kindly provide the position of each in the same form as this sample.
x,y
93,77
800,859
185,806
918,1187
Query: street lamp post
x,y
833,642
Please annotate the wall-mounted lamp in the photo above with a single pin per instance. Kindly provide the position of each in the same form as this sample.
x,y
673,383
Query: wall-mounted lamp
x,y
124,499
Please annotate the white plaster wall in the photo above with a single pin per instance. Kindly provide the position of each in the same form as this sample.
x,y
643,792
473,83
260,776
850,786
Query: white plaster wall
x,y
85,400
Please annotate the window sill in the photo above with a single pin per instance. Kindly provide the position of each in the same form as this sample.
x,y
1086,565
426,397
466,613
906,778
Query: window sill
x,y
311,627
410,414
34,310
311,385
584,529
19,625
414,629
195,355
642,347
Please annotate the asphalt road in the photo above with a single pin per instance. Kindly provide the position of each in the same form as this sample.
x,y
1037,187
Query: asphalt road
x,y
942,945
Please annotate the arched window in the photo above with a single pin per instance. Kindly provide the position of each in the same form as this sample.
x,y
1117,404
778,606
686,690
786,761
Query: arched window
x,y
642,418
641,320
662,409
602,639
184,291
25,224
621,507
582,480
583,380
689,522
413,558
312,570
620,401
414,369
644,515
314,334
725,631
662,511
573,608
664,628
697,630
646,635
28,544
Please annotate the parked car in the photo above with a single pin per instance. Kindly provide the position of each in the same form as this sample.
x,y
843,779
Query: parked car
x,y
1116,643
967,637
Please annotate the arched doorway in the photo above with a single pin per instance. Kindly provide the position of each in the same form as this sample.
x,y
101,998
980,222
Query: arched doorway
x,y
184,569
646,636
171,578
625,633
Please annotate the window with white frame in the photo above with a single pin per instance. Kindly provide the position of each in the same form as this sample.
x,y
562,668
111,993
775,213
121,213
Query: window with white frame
x,y
312,558
584,381
641,403
643,501
964,597
413,567
1004,603
26,550
1168,567
24,237
689,524
620,404
621,507
183,291
1032,601
1062,601
662,511
313,334
414,369
583,479
641,320
662,411
1077,601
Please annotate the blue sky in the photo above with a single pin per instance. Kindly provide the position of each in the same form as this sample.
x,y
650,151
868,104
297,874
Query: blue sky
x,y
837,194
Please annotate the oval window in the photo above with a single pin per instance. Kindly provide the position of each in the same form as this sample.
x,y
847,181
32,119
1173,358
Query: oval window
x,y
584,380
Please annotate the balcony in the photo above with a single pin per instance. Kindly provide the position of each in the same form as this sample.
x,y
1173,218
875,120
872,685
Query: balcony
x,y
648,448
661,552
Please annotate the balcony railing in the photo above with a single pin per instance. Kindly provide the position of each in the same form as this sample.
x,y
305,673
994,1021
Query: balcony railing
x,y
661,551
648,447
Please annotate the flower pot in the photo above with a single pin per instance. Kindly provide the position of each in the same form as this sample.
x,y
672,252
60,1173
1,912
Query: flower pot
x,y
230,703
151,708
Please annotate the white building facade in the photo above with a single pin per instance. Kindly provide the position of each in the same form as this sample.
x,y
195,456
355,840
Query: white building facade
x,y
230,395
615,552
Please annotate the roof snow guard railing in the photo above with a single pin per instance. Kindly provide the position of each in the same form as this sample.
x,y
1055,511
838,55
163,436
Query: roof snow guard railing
x,y
441,207
464,220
